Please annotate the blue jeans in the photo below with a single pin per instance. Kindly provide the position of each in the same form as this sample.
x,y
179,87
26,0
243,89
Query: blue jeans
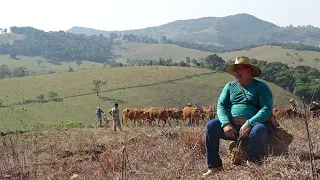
x,y
99,120
257,139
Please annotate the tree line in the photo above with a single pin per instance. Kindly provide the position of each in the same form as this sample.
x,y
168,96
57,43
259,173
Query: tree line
x,y
59,46
210,47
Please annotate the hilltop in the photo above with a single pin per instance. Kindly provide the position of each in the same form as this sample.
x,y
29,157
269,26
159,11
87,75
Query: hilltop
x,y
230,31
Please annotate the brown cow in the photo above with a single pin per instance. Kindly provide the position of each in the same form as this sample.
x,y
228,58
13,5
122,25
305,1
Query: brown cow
x,y
279,113
187,113
197,114
192,113
134,114
160,114
209,112
127,114
177,114
154,113
165,115
140,115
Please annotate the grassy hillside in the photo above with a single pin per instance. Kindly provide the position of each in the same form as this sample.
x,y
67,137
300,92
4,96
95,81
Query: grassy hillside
x,y
267,53
276,53
141,51
31,63
10,37
130,86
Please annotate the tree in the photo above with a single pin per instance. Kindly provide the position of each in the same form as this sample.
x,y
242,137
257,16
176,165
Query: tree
x,y
188,60
4,71
70,69
13,55
79,62
161,62
194,62
1,30
52,95
183,64
254,61
20,71
5,30
39,62
40,97
214,62
113,36
168,62
97,85
163,40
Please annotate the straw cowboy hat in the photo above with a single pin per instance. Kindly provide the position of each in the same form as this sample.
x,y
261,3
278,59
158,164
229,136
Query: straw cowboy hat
x,y
291,100
315,103
246,61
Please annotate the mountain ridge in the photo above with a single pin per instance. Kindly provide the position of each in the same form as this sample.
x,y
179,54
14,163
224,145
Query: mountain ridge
x,y
228,31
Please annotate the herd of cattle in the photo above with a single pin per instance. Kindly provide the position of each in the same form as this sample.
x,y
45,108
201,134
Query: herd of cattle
x,y
279,113
190,115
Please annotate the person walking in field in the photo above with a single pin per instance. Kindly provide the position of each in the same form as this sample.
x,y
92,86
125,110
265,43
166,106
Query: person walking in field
x,y
114,112
99,113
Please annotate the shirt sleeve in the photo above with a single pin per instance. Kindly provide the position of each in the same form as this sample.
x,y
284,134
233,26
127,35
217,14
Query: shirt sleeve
x,y
223,107
266,105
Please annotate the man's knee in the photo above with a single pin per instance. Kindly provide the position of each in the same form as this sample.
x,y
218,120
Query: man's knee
x,y
213,125
259,130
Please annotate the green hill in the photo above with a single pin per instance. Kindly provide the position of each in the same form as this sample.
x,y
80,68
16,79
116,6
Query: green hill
x,y
276,53
230,31
46,65
141,51
130,86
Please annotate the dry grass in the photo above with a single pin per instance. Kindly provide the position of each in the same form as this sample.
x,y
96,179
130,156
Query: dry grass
x,y
153,153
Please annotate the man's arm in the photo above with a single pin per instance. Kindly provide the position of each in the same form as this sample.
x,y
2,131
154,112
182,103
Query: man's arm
x,y
110,111
266,105
223,108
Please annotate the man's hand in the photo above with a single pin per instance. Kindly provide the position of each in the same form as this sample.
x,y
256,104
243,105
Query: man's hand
x,y
229,131
245,130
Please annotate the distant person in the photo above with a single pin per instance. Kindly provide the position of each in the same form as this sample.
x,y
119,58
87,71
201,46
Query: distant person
x,y
99,113
293,105
314,108
114,112
244,106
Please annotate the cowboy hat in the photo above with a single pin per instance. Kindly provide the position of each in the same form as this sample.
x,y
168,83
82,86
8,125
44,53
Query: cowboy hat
x,y
291,100
245,61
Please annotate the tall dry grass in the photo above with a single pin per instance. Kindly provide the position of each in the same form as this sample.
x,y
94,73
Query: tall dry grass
x,y
150,153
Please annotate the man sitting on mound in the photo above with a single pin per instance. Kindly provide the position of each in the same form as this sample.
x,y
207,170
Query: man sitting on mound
x,y
244,106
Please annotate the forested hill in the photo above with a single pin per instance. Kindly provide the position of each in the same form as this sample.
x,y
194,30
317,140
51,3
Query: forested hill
x,y
231,31
60,46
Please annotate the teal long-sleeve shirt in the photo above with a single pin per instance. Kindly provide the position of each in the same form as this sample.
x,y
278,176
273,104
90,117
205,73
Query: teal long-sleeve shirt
x,y
232,103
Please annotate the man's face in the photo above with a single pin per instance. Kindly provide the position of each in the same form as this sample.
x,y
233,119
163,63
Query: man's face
x,y
242,73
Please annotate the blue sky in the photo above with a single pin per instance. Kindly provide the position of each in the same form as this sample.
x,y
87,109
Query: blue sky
x,y
53,15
